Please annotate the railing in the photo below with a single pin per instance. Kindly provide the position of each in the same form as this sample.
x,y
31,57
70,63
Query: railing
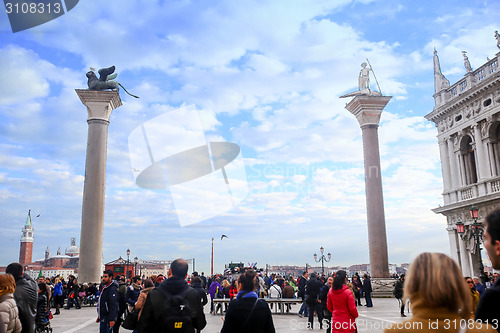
x,y
478,76
472,191
495,186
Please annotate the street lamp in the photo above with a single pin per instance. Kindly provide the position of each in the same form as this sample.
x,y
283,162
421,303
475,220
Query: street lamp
x,y
128,262
475,230
136,260
322,259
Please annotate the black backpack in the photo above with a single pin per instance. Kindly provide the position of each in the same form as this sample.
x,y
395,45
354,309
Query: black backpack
x,y
176,312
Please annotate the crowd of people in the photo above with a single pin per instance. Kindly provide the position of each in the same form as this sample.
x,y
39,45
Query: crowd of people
x,y
441,299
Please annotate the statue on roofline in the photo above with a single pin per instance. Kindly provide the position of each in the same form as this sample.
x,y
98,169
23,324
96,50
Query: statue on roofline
x,y
104,82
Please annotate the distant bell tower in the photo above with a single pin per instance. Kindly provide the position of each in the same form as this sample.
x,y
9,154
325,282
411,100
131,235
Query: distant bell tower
x,y
26,252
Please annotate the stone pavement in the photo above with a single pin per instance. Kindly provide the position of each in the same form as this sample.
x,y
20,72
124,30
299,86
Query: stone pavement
x,y
384,312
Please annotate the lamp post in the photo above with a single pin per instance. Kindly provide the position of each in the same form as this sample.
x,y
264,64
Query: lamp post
x,y
128,262
212,261
475,231
136,260
322,259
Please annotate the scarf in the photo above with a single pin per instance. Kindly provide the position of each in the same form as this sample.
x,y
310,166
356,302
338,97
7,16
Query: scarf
x,y
246,294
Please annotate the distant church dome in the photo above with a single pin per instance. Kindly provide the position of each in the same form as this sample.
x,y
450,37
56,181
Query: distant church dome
x,y
72,250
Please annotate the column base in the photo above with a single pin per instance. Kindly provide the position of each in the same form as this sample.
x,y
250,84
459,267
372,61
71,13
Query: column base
x,y
382,287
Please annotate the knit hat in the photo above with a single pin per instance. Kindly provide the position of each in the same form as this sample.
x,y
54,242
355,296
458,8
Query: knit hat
x,y
7,284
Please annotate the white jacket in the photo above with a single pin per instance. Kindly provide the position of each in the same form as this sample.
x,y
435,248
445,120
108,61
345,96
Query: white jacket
x,y
9,315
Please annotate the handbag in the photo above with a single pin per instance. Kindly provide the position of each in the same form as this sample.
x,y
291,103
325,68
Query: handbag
x,y
130,322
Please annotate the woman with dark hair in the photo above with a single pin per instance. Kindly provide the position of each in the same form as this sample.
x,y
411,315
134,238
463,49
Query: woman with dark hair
x,y
473,293
340,302
248,313
147,286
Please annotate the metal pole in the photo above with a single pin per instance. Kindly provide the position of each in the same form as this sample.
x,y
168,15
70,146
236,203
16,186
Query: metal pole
x,y
482,277
212,263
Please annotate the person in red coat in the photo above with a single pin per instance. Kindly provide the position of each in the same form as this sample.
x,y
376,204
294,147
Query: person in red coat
x,y
340,302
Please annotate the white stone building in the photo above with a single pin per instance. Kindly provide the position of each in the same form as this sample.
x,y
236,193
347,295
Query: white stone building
x,y
467,116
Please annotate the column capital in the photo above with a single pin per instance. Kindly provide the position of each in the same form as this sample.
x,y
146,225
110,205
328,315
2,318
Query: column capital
x,y
367,109
99,104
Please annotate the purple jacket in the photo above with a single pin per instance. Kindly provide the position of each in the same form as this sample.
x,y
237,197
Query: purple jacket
x,y
213,289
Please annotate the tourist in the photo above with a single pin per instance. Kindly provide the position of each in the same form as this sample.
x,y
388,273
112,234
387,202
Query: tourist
x,y
323,298
107,307
473,293
41,304
313,288
203,280
73,294
398,293
439,297
367,290
212,291
233,290
122,302
487,309
275,292
288,292
133,292
341,303
358,287
147,286
197,284
9,313
478,285
176,293
58,295
25,295
302,293
247,313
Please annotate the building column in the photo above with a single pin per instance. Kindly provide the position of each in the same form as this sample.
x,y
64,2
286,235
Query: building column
x,y
455,182
452,236
99,105
445,164
481,160
367,110
464,259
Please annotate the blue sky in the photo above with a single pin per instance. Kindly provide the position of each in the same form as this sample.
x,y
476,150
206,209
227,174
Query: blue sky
x,y
264,75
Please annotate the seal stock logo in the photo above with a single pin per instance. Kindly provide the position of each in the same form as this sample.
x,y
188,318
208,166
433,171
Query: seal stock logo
x,y
26,14
205,178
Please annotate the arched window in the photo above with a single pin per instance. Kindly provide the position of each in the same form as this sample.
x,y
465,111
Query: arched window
x,y
468,161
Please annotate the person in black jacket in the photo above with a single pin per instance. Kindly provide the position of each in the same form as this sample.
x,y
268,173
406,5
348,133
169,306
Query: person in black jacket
x,y
25,295
487,310
367,289
323,298
302,293
247,313
313,288
107,307
153,317
197,284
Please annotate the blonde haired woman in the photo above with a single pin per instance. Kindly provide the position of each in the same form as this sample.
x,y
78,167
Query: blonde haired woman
x,y
440,300
9,314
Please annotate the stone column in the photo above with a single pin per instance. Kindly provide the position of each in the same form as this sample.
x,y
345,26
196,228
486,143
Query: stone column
x,y
481,160
99,105
464,259
452,235
445,164
455,182
367,110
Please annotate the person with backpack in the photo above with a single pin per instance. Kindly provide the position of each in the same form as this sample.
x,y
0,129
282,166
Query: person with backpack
x,y
173,306
247,313
107,307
